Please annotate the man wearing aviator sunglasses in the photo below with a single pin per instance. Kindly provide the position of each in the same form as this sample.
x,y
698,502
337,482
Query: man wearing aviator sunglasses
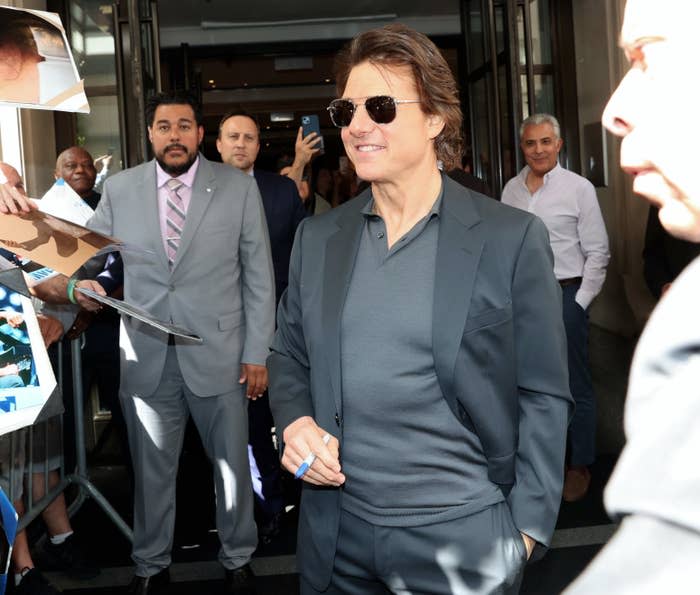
x,y
438,364
381,108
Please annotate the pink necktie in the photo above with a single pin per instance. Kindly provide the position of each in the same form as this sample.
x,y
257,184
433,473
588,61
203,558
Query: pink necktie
x,y
174,218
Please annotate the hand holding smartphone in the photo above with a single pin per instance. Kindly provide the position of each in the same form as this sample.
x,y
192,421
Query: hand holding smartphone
x,y
311,124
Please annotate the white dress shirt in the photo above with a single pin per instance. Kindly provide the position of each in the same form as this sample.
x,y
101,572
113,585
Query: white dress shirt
x,y
568,205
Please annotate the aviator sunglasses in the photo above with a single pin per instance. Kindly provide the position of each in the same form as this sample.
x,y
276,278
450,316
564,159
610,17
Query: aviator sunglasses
x,y
381,108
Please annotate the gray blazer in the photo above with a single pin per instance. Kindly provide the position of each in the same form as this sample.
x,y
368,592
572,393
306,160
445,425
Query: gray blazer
x,y
221,285
498,343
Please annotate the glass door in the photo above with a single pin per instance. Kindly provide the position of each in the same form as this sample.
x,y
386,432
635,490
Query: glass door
x,y
117,78
512,73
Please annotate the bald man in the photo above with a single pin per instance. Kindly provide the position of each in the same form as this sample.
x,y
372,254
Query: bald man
x,y
101,350
76,166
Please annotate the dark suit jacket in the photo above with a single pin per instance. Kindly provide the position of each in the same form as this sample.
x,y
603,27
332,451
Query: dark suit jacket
x,y
498,343
284,210
665,256
93,199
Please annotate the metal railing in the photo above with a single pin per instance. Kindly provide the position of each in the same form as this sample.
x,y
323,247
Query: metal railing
x,y
78,477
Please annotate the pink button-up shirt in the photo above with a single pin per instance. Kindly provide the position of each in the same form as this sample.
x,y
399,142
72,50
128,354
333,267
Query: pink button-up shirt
x,y
185,193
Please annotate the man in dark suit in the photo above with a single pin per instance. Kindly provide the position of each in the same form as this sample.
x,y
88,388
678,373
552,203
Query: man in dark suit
x,y
239,144
421,338
665,256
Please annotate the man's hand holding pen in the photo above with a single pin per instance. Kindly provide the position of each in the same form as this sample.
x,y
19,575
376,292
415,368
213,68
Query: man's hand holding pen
x,y
304,438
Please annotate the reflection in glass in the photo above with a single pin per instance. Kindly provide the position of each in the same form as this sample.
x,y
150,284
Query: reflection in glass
x,y
544,95
476,35
92,41
500,19
481,147
507,149
541,32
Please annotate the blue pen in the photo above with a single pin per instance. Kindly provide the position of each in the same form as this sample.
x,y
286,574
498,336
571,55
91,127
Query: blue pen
x,y
308,461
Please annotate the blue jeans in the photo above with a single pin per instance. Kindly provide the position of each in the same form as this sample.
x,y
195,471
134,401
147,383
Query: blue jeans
x,y
582,427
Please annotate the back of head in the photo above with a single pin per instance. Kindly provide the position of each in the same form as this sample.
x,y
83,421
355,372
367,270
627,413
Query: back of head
x,y
397,45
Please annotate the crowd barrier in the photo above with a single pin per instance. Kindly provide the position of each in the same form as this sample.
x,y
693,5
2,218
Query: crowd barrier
x,y
78,476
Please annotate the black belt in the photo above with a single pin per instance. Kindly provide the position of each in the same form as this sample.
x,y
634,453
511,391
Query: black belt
x,y
570,281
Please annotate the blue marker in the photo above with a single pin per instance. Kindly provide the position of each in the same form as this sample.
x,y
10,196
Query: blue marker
x,y
308,461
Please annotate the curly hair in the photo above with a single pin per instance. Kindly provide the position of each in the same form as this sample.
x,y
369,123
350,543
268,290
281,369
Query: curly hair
x,y
397,45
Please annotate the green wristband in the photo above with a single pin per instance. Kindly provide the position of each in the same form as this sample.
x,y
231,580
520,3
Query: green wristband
x,y
70,290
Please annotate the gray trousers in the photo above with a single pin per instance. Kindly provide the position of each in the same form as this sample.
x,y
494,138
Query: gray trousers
x,y
482,553
156,428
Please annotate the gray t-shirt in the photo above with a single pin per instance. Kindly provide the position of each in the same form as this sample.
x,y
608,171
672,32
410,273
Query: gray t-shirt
x,y
407,459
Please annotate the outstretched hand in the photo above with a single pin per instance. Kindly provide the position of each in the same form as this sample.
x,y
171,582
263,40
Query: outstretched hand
x,y
13,201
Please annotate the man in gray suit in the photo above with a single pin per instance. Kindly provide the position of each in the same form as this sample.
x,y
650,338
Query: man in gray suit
x,y
437,364
206,267
212,274
656,483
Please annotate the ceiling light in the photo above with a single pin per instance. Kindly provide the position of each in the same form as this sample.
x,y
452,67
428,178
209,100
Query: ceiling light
x,y
281,117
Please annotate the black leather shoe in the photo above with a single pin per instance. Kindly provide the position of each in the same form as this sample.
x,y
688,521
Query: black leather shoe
x,y
67,557
240,581
150,585
271,529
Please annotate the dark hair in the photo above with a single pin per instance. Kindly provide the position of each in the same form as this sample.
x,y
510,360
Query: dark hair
x,y
15,30
177,97
398,45
237,111
283,161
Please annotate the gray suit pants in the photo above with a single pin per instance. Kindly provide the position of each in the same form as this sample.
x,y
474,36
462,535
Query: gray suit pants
x,y
156,426
479,554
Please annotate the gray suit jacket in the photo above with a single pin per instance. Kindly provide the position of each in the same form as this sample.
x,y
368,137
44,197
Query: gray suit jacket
x,y
498,343
221,285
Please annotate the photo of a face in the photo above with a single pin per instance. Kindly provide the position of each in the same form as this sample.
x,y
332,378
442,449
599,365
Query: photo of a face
x,y
17,367
36,66
26,377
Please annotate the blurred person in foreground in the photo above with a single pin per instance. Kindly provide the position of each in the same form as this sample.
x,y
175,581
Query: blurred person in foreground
x,y
656,483
437,367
